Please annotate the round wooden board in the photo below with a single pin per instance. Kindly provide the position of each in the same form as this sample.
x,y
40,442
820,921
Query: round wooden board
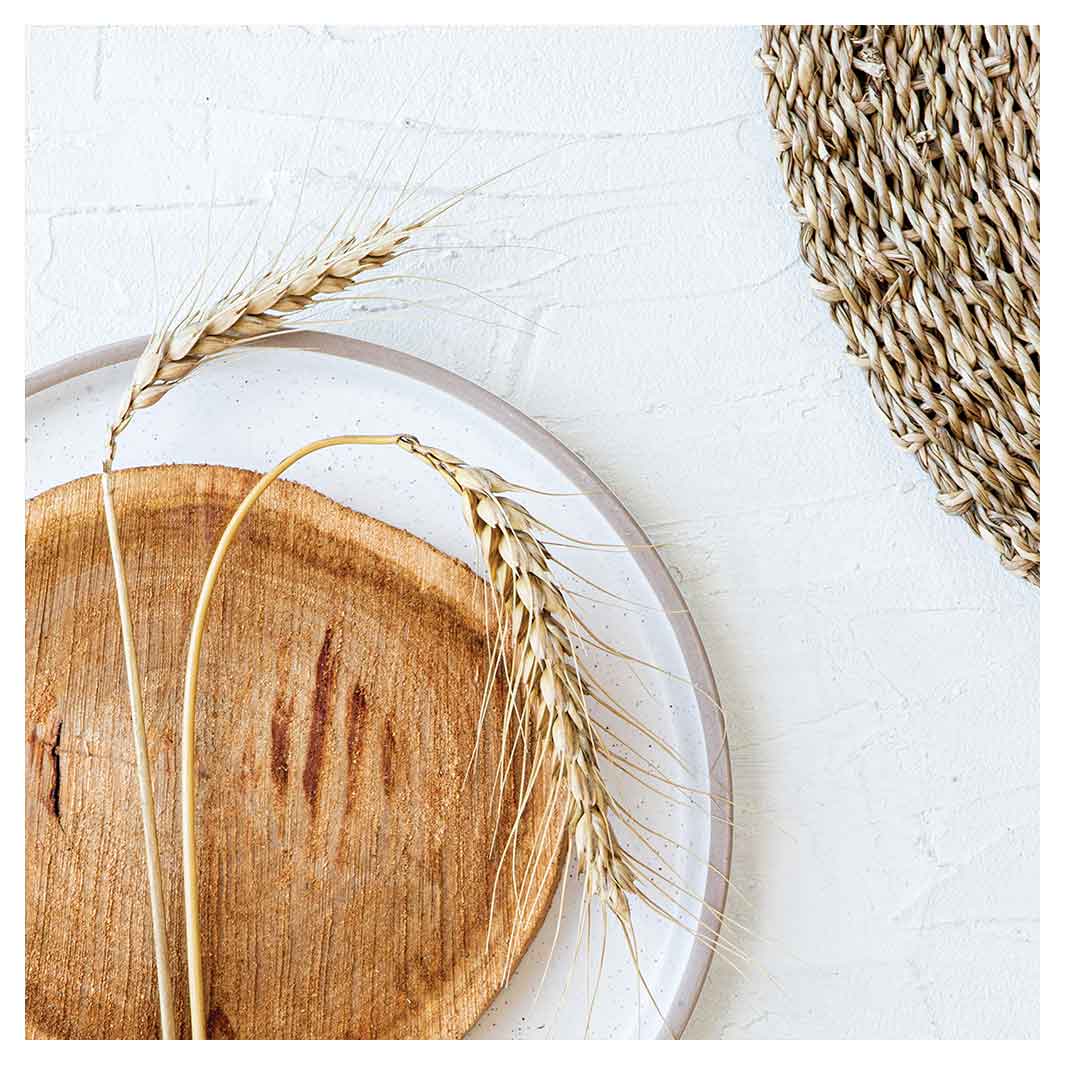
x,y
346,870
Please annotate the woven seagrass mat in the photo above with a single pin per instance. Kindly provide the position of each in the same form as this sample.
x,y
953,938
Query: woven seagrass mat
x,y
911,154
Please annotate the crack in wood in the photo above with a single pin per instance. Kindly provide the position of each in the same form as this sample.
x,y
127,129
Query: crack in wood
x,y
55,792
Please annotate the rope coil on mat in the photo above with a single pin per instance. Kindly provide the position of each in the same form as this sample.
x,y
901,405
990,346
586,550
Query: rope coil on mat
x,y
911,154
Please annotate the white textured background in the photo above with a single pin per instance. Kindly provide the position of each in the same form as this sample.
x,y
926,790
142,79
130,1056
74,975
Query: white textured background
x,y
879,668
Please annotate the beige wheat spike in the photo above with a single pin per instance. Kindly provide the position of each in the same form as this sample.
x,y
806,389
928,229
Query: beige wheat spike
x,y
259,309
555,696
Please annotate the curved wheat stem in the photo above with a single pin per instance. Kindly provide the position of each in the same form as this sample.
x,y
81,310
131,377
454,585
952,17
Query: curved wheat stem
x,y
197,1005
544,680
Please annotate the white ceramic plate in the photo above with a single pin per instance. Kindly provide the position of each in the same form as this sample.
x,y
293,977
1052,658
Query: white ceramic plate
x,y
253,409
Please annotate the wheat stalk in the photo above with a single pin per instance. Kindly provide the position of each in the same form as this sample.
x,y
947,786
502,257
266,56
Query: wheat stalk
x,y
549,695
553,699
144,777
254,311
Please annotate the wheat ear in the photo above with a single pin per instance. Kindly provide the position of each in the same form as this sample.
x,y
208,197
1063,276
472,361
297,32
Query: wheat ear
x,y
544,671
545,666
258,310
255,311
554,697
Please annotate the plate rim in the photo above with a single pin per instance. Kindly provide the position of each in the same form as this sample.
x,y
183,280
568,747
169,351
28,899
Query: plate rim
x,y
696,659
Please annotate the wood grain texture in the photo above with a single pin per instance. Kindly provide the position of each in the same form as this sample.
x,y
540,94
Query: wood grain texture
x,y
346,872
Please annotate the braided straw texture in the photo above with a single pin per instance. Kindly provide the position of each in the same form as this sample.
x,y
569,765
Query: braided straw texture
x,y
911,154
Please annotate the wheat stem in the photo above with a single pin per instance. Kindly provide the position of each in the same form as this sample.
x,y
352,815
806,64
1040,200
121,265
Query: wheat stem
x,y
546,693
144,777
188,721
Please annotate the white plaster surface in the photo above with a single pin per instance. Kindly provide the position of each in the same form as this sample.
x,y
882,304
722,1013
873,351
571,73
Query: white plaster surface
x,y
879,669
